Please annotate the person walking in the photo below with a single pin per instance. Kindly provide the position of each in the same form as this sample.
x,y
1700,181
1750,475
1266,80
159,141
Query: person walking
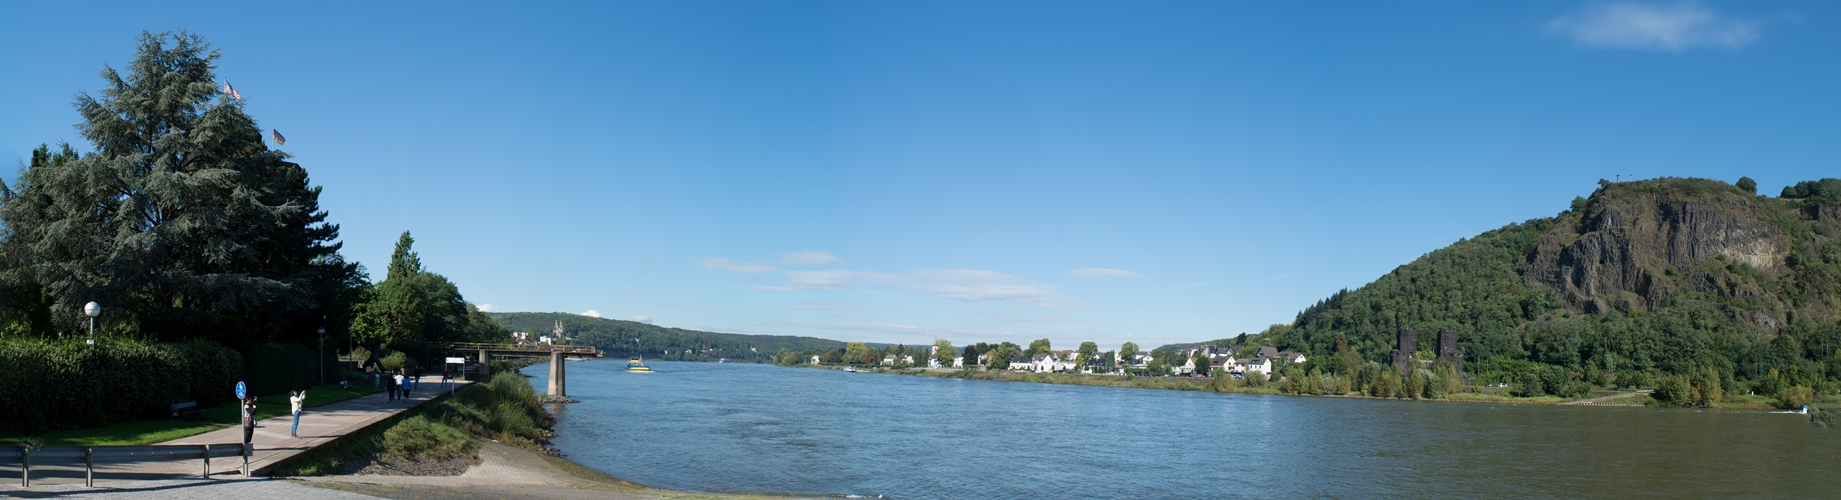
x,y
295,398
401,387
249,424
390,387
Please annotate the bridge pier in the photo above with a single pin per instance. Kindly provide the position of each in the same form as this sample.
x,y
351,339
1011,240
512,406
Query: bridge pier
x,y
485,366
559,380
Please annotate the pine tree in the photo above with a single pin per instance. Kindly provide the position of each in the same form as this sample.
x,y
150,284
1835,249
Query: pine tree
x,y
182,220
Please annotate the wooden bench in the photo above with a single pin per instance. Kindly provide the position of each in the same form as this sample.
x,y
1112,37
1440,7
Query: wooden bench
x,y
186,408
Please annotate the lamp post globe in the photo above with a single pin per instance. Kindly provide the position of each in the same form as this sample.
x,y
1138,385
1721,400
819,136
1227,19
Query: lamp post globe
x,y
92,310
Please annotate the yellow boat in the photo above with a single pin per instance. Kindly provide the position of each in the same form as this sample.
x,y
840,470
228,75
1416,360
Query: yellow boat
x,y
635,365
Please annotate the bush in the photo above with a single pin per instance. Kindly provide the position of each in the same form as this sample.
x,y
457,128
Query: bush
x,y
1673,391
418,438
60,385
1222,383
1791,398
1529,386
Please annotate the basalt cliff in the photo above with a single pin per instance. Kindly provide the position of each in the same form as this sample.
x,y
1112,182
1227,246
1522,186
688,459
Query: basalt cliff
x,y
1652,275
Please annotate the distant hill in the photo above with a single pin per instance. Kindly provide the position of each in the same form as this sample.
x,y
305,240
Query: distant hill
x,y
1655,275
629,338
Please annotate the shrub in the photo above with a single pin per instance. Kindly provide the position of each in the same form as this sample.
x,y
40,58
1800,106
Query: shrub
x,y
1529,386
59,385
1672,390
1791,398
1222,383
418,438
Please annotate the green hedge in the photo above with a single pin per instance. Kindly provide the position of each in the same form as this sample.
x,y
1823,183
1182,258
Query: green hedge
x,y
61,385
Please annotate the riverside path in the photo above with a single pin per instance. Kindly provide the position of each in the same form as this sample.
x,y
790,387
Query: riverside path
x,y
319,426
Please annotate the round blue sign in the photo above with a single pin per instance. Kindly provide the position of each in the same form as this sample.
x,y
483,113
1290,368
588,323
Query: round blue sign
x,y
241,390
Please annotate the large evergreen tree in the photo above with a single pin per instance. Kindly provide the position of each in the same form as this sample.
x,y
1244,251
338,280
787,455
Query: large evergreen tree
x,y
181,222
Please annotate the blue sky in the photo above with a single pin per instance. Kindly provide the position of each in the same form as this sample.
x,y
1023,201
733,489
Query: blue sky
x,y
976,171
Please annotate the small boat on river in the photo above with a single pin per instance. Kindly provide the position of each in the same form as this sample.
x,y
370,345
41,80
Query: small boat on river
x,y
636,365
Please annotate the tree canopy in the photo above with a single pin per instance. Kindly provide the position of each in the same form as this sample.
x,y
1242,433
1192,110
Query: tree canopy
x,y
181,223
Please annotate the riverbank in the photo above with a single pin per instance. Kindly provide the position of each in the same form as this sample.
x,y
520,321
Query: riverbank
x,y
1470,394
487,440
507,471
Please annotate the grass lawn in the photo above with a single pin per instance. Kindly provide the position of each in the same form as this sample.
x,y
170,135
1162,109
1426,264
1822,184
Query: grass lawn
x,y
143,432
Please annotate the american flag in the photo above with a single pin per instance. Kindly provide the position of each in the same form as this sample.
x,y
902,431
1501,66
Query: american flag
x,y
278,138
232,90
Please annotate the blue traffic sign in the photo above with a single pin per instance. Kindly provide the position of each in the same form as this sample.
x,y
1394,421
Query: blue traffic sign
x,y
241,390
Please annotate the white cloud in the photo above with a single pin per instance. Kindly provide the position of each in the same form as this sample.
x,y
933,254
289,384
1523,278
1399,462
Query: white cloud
x,y
971,285
1649,26
639,319
809,258
486,308
1101,272
592,313
722,264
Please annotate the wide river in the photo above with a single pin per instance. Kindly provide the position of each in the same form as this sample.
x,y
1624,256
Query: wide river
x,y
759,428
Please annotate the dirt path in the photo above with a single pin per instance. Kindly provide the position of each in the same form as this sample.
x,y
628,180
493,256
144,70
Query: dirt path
x,y
1601,400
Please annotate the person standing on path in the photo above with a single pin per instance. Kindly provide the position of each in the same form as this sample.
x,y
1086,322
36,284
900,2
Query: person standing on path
x,y
249,423
295,398
401,387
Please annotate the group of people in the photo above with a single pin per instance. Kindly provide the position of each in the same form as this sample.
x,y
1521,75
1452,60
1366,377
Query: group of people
x,y
398,385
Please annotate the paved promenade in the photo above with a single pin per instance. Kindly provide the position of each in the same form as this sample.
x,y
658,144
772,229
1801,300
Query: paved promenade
x,y
318,426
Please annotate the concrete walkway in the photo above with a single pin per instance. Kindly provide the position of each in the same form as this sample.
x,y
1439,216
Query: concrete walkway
x,y
318,426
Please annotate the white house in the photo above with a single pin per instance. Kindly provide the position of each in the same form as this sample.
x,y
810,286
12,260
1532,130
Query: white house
x,y
958,361
889,359
1260,364
814,359
1291,357
1022,364
1042,363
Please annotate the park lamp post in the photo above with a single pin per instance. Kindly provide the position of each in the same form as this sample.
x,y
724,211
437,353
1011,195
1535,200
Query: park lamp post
x,y
92,310
322,355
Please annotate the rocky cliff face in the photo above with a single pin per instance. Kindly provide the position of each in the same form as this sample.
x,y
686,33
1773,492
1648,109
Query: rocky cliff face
x,y
1634,248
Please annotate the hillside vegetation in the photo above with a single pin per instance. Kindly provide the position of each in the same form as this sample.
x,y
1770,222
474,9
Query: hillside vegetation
x,y
632,338
1647,279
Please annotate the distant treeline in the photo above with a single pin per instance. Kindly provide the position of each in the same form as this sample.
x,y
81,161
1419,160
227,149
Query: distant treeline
x,y
632,338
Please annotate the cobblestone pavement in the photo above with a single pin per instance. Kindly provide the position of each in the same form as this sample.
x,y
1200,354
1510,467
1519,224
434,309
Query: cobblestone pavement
x,y
191,489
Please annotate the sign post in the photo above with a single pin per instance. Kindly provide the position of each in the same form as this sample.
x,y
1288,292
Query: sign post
x,y
242,391
454,361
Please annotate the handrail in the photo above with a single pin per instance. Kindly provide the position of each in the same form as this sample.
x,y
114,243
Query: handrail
x,y
566,349
89,455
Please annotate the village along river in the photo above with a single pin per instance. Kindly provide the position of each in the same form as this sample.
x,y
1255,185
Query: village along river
x,y
758,428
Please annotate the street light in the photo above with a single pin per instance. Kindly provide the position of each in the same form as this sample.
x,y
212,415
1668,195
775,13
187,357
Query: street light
x,y
322,355
93,310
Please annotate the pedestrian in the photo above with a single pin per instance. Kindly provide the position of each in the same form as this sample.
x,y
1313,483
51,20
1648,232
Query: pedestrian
x,y
390,387
401,387
295,398
249,423
417,381
444,376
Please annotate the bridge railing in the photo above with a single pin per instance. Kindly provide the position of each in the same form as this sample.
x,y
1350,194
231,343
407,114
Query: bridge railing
x,y
546,348
88,455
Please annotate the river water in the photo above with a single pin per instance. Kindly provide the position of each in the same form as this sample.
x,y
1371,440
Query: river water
x,y
760,428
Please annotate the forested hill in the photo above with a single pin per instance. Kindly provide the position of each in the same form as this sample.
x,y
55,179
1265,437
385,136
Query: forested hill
x,y
629,338
1656,276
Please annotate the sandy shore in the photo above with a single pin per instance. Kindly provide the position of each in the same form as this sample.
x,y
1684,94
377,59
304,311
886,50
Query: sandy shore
x,y
505,472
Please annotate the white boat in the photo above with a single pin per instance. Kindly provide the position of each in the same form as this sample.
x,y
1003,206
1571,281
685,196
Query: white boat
x,y
849,369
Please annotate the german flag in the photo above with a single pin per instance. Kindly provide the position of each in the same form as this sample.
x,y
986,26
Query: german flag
x,y
279,140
